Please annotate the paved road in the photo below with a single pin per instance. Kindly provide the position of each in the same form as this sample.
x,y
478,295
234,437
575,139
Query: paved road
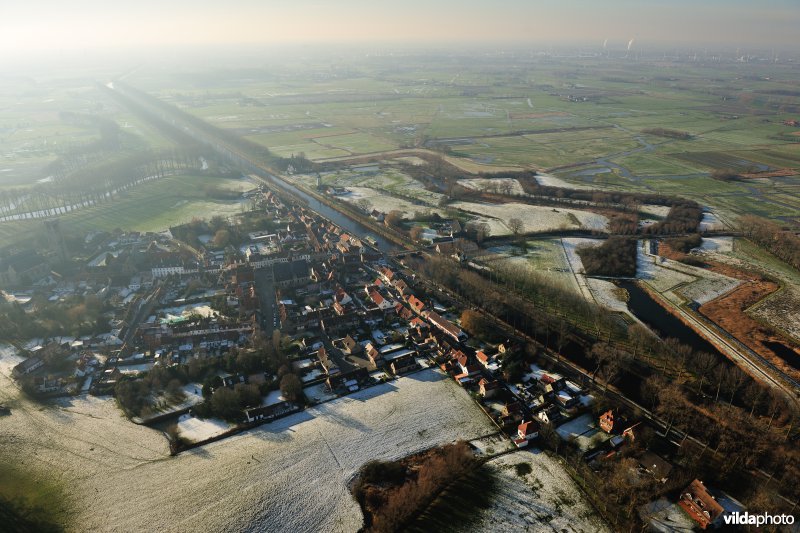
x,y
265,290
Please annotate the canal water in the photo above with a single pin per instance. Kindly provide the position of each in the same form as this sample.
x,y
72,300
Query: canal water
x,y
356,228
661,321
785,353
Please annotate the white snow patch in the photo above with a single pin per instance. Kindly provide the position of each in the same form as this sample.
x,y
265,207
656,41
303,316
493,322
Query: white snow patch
x,y
535,218
494,185
273,397
710,222
9,358
717,244
199,429
552,181
546,499
656,210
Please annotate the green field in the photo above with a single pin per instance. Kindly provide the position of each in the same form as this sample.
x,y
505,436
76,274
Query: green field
x,y
154,206
37,129
33,498
565,115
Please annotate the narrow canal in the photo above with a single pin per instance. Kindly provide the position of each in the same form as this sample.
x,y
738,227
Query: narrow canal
x,y
341,220
661,321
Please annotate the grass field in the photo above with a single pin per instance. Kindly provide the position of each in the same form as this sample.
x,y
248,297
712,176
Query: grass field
x,y
489,117
35,133
154,206
486,114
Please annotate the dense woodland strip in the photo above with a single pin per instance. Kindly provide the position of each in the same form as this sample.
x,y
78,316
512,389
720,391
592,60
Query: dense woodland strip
x,y
782,243
615,257
392,493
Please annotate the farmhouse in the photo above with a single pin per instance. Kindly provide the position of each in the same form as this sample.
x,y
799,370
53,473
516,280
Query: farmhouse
x,y
655,466
27,366
403,361
268,412
382,303
613,423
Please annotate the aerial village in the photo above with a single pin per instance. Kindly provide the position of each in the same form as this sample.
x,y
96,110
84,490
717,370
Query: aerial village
x,y
294,311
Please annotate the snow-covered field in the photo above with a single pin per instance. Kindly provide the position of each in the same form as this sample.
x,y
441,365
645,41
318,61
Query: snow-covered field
x,y
607,295
657,210
544,257
199,429
552,181
290,475
546,499
386,203
709,287
710,222
494,184
720,245
693,283
535,218
650,269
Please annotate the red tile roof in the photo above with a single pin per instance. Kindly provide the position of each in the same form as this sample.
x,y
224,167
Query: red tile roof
x,y
528,428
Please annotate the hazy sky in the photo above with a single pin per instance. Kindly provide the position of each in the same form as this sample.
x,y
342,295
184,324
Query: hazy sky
x,y
81,24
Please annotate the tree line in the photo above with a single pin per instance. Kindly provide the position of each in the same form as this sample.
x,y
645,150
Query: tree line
x,y
94,185
782,243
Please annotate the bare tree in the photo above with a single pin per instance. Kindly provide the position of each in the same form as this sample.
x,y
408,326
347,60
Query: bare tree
x,y
516,226
394,218
735,380
651,389
638,336
484,231
754,394
364,205
703,363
